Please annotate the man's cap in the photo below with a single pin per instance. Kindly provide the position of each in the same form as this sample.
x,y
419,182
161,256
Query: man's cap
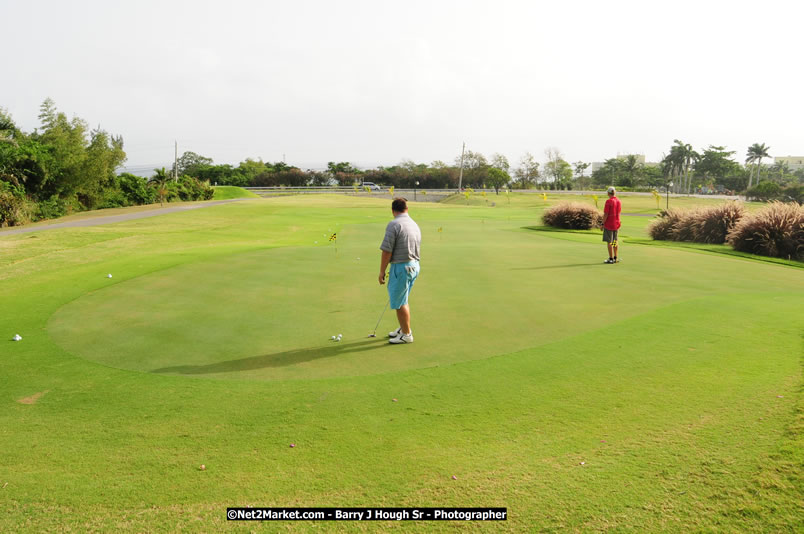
x,y
611,190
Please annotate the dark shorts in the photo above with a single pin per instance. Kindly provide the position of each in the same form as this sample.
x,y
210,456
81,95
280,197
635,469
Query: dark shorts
x,y
610,236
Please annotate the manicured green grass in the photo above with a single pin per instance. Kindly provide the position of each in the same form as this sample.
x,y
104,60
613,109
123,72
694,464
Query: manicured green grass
x,y
659,394
228,192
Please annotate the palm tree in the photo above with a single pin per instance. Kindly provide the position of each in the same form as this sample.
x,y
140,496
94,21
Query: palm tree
x,y
779,170
161,178
630,167
685,158
676,164
754,155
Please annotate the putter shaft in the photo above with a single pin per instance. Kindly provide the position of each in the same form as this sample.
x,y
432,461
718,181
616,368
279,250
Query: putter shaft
x,y
374,334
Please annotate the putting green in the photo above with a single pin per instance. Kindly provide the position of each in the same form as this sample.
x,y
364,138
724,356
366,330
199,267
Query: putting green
x,y
486,289
663,393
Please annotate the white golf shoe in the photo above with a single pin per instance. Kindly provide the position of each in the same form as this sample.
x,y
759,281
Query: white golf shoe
x,y
395,333
401,338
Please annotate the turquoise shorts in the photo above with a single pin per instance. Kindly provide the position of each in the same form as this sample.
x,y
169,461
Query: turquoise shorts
x,y
400,282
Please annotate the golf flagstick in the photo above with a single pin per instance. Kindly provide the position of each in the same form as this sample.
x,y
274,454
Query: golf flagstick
x,y
374,334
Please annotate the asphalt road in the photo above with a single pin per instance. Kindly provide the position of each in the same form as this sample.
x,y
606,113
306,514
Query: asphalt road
x,y
97,221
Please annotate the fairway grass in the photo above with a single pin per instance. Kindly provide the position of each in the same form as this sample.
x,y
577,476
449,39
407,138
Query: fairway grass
x,y
228,192
659,394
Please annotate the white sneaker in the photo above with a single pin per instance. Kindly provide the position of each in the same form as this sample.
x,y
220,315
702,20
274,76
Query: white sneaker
x,y
402,338
395,333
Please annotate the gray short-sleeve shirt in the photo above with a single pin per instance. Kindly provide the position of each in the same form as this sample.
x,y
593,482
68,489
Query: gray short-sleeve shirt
x,y
402,239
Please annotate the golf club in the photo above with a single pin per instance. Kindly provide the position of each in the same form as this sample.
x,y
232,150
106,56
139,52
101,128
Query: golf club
x,y
374,334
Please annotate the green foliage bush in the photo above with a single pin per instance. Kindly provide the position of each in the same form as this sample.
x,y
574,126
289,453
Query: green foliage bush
x,y
136,190
793,193
574,216
15,209
53,208
777,230
764,191
188,188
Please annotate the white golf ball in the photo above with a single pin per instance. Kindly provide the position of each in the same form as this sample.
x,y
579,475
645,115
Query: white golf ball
x,y
333,337
109,275
17,337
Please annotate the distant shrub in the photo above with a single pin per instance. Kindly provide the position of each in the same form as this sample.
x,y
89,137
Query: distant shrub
x,y
54,207
574,216
713,224
764,191
777,231
663,228
188,188
15,209
793,193
136,190
113,198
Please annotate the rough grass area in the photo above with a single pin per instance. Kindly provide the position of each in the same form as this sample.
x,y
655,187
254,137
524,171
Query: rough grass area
x,y
573,216
776,231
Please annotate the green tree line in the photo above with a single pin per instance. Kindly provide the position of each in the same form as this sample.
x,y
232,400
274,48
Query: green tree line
x,y
64,166
713,169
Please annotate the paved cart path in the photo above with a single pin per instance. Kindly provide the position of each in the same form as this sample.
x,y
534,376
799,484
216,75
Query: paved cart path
x,y
97,221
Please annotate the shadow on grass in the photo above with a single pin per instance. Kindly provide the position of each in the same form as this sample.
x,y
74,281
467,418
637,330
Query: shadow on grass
x,y
551,229
279,359
542,267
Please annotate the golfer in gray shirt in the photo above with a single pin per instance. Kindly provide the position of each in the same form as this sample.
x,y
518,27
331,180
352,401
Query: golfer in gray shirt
x,y
400,248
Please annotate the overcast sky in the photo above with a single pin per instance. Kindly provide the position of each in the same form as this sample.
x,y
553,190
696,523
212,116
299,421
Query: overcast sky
x,y
375,82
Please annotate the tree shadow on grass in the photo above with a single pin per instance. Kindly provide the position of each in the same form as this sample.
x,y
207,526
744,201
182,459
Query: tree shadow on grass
x,y
279,359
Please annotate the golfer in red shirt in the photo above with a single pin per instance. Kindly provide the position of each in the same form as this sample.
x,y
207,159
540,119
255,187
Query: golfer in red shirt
x,y
611,224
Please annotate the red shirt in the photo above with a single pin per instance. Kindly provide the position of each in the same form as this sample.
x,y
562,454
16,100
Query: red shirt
x,y
611,214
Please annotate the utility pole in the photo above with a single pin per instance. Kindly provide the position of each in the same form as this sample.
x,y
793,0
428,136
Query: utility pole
x,y
460,176
176,161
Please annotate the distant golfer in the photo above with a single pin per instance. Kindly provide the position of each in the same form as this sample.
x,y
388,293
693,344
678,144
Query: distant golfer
x,y
400,248
611,224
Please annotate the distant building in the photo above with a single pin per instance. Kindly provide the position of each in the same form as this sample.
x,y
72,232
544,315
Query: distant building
x,y
793,162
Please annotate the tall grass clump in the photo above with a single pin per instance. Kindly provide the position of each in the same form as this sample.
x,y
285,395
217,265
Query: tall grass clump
x,y
713,224
663,228
684,229
701,225
573,216
777,230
